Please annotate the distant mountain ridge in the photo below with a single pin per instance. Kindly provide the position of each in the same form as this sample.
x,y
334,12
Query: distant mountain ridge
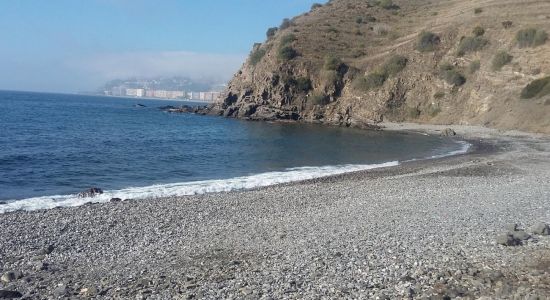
x,y
357,63
175,83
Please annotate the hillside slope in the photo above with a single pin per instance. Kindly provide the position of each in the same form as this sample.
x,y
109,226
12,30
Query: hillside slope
x,y
359,62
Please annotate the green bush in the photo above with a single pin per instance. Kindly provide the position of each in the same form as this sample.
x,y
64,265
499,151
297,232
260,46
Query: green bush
x,y
319,98
359,20
256,56
501,59
439,95
474,66
449,73
287,39
303,84
538,88
370,19
478,31
394,65
316,5
285,24
287,53
471,44
427,41
507,24
387,4
478,10
369,82
271,32
331,63
531,37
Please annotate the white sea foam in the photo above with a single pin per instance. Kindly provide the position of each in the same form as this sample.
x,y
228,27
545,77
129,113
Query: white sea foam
x,y
206,186
191,188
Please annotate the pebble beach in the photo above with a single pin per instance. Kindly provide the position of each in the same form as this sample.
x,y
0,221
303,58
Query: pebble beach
x,y
422,230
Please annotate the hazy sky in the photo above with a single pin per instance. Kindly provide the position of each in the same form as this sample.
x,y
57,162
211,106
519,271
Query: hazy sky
x,y
69,45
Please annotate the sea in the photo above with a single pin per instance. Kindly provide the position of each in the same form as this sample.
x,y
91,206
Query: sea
x,y
53,146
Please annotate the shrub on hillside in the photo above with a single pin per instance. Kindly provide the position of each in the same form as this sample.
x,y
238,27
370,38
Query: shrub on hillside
x,y
439,95
451,75
478,31
531,37
287,39
538,88
287,53
371,81
359,20
256,56
285,24
331,63
501,59
303,84
271,32
387,4
394,65
381,29
427,41
507,24
478,10
319,98
316,5
471,44
474,66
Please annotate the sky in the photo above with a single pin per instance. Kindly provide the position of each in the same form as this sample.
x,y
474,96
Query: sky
x,y
75,46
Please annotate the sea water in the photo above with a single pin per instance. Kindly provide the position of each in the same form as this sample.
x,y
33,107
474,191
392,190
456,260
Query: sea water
x,y
53,146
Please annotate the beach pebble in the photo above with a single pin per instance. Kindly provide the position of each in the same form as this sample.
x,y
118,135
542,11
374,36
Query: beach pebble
x,y
511,227
540,229
507,240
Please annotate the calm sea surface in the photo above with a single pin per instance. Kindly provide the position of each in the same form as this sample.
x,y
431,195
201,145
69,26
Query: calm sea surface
x,y
53,146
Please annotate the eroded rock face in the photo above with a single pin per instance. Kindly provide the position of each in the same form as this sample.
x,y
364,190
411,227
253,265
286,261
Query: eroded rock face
x,y
304,88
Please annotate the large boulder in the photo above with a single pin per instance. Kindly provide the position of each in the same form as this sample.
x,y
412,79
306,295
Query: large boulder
x,y
507,240
540,229
92,192
5,294
448,132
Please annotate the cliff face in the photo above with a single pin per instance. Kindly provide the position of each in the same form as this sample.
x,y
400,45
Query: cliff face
x,y
358,62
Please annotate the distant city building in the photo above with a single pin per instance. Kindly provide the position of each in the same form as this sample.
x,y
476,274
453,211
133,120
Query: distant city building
x,y
135,92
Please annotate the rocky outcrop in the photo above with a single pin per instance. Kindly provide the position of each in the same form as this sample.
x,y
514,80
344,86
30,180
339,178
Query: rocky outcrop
x,y
355,63
91,192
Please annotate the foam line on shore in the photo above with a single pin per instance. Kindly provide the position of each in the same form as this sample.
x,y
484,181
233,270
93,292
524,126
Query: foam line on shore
x,y
192,188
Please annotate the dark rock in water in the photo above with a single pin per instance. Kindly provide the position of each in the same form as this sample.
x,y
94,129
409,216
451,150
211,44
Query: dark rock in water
x,y
5,294
448,132
115,200
139,105
507,240
3,203
167,107
540,229
90,193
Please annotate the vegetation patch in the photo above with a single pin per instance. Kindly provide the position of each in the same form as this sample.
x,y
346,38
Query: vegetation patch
x,y
507,24
316,5
394,65
451,75
474,66
332,63
287,39
478,31
287,53
501,59
377,78
285,24
478,10
256,56
381,29
439,95
303,84
271,32
471,44
427,41
319,98
536,89
531,37
387,4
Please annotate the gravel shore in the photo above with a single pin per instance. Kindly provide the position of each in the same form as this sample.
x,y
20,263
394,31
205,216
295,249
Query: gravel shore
x,y
424,229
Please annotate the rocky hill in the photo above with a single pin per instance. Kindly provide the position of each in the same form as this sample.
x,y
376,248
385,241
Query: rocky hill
x,y
359,62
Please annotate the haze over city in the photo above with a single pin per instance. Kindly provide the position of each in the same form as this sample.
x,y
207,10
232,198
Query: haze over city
x,y
69,46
